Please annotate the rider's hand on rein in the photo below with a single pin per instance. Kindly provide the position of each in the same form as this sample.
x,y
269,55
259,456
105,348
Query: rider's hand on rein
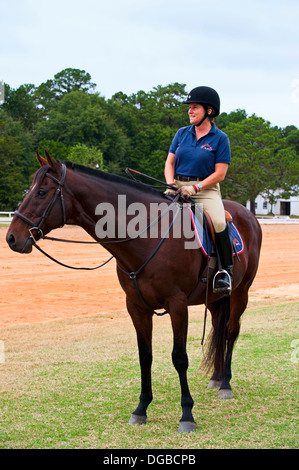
x,y
188,191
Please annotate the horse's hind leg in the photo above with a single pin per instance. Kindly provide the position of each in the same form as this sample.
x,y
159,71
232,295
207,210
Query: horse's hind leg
x,y
143,324
179,320
238,303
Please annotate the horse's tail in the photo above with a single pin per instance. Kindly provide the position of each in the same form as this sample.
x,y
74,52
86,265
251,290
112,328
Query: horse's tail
x,y
216,349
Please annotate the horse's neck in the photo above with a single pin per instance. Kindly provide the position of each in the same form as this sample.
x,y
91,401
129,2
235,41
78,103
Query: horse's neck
x,y
93,198
86,193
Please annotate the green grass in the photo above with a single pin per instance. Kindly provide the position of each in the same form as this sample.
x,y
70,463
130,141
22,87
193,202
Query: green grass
x,y
74,384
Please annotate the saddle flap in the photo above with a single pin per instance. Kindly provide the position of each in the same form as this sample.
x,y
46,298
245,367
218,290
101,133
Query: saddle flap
x,y
205,240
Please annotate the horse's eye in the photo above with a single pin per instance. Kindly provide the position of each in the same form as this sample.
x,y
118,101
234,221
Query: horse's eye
x,y
41,193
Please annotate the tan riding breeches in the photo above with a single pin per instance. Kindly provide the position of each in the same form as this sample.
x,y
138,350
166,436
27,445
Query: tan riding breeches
x,y
211,202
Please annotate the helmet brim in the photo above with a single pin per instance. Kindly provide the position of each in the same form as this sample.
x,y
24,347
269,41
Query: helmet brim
x,y
216,111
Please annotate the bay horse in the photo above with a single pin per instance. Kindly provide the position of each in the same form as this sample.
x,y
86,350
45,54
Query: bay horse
x,y
154,272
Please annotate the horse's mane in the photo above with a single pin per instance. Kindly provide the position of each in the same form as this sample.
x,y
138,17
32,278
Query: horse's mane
x,y
109,177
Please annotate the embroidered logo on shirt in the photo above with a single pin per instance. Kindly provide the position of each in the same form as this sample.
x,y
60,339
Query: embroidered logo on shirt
x,y
207,147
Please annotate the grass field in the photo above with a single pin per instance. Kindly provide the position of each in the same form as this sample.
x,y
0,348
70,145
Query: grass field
x,y
74,383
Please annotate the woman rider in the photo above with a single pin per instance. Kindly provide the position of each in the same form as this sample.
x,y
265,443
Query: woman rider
x,y
198,160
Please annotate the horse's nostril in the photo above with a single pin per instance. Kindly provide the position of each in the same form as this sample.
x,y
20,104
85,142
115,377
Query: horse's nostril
x,y
11,240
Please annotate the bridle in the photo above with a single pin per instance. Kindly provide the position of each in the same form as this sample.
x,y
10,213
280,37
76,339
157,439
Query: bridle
x,y
38,226
58,194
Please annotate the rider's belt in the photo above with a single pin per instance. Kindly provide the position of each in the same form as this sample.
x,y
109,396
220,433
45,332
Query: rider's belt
x,y
187,178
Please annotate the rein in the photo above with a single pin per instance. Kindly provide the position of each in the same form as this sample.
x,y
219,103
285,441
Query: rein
x,y
66,265
44,237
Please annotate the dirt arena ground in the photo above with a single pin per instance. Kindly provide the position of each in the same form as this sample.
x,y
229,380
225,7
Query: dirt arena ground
x,y
35,289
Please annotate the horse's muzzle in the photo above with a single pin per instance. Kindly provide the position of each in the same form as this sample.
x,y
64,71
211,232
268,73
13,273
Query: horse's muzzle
x,y
21,246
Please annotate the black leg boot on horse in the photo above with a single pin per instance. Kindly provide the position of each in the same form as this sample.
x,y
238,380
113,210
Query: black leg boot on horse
x,y
224,247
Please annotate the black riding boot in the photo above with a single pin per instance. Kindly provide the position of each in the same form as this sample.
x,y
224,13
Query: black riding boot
x,y
223,279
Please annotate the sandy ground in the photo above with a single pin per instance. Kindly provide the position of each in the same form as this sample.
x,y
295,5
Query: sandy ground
x,y
35,289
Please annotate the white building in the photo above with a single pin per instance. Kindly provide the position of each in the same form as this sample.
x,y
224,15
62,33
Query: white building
x,y
281,207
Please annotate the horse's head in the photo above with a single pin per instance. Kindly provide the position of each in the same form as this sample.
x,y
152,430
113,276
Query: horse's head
x,y
42,210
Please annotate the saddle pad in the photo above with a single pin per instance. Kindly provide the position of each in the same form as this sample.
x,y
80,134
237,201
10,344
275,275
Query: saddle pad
x,y
206,243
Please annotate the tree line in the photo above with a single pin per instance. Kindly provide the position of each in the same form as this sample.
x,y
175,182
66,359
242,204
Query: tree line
x,y
66,116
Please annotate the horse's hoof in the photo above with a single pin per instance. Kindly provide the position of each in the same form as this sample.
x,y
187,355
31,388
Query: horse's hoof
x,y
214,384
136,420
187,426
225,394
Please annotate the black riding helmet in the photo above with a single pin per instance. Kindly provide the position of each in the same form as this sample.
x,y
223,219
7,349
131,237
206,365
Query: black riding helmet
x,y
206,96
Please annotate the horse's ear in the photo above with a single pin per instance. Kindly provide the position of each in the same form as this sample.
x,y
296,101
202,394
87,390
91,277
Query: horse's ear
x,y
52,162
42,161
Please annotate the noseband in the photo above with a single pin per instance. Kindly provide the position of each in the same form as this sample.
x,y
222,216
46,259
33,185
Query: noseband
x,y
58,193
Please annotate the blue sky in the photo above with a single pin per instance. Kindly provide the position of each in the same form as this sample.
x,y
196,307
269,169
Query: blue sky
x,y
247,50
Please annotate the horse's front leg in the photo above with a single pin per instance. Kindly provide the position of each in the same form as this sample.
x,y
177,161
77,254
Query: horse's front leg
x,y
143,324
179,320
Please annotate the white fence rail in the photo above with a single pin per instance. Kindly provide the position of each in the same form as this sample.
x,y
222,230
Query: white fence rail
x,y
277,219
6,217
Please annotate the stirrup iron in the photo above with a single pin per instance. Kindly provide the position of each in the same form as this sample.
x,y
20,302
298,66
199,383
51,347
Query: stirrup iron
x,y
222,290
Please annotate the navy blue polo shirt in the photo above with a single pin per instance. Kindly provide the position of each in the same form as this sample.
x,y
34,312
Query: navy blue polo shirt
x,y
198,157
